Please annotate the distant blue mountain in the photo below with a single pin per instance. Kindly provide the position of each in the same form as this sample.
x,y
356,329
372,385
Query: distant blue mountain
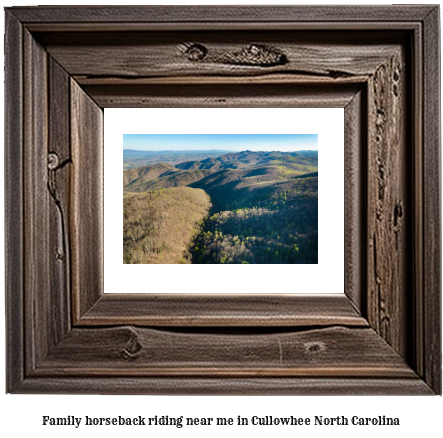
x,y
134,152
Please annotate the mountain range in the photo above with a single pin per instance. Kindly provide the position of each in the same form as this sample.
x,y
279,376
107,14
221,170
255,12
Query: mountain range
x,y
262,207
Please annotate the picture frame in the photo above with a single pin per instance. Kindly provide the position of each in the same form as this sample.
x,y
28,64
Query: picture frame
x,y
65,64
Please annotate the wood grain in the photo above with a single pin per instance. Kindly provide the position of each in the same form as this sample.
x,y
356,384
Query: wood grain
x,y
129,351
59,181
37,257
14,239
227,96
418,358
388,205
288,386
63,65
239,310
226,14
432,334
86,209
160,54
355,187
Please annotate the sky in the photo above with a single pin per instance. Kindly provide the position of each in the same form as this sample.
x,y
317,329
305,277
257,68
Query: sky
x,y
230,142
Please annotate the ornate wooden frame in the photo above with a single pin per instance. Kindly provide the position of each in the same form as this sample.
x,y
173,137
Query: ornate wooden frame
x,y
65,64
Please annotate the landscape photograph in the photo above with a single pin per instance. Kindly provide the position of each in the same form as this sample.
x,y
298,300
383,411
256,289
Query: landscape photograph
x,y
220,199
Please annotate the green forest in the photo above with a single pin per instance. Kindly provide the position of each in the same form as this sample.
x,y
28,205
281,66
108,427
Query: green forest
x,y
245,207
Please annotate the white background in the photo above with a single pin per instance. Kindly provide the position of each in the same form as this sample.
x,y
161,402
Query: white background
x,y
325,277
20,415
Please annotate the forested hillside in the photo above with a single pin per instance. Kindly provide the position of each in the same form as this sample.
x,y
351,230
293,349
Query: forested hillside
x,y
264,209
158,225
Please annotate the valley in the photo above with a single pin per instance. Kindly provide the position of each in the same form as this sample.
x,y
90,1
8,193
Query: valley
x,y
238,207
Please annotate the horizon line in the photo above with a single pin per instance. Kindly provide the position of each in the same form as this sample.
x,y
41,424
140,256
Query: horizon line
x,y
222,150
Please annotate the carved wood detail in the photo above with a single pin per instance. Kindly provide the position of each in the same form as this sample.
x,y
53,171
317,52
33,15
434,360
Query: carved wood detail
x,y
387,202
259,55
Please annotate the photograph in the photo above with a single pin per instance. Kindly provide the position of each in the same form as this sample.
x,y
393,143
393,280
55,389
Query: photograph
x,y
220,199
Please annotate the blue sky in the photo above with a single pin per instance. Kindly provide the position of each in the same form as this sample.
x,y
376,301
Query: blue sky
x,y
231,142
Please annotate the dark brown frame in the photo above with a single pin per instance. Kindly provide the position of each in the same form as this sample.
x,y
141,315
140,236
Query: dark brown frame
x,y
64,65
